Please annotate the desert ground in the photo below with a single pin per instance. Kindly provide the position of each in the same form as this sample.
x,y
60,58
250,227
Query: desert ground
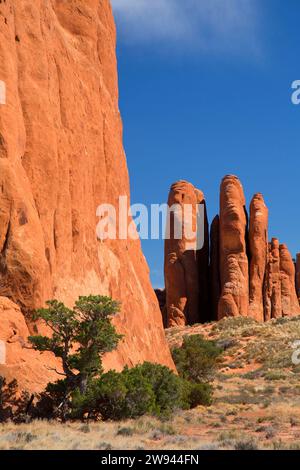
x,y
256,401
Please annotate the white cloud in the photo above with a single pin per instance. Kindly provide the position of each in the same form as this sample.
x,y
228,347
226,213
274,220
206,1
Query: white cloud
x,y
208,25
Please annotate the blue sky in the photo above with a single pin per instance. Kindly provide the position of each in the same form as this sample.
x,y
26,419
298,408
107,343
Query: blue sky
x,y
205,90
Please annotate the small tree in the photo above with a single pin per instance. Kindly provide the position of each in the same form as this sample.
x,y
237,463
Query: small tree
x,y
80,338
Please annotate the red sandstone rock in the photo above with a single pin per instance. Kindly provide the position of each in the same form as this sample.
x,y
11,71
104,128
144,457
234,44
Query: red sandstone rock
x,y
233,257
17,359
272,289
289,300
183,263
61,155
258,245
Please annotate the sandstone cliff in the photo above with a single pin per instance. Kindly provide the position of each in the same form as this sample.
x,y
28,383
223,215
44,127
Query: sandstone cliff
x,y
61,155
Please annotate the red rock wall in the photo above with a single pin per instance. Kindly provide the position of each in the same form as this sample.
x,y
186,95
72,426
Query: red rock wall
x,y
61,155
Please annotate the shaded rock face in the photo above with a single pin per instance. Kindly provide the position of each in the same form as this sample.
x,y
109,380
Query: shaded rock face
x,y
244,275
185,266
17,359
258,246
161,297
61,155
214,270
234,273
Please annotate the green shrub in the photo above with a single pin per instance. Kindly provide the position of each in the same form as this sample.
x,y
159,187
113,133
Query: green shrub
x,y
145,389
200,394
196,360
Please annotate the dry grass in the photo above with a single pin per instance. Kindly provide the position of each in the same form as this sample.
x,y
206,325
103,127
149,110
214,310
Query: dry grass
x,y
256,406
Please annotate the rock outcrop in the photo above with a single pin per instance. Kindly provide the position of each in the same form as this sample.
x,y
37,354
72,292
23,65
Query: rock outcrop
x,y
297,267
289,299
185,265
61,156
247,275
258,247
234,272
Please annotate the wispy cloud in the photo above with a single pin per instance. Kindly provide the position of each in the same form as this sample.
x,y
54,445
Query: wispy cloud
x,y
207,25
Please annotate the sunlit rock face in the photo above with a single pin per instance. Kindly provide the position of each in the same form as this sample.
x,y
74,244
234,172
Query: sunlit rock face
x,y
186,263
244,274
61,156
234,267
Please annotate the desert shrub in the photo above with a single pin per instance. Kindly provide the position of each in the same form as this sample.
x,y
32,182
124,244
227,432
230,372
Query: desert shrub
x,y
196,360
246,444
145,389
200,394
275,375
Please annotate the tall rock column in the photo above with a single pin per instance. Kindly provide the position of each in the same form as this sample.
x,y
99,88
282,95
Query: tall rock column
x,y
289,300
258,246
182,274
272,288
234,275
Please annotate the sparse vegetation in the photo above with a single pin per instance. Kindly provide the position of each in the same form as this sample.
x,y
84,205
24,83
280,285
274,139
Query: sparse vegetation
x,y
256,401
80,338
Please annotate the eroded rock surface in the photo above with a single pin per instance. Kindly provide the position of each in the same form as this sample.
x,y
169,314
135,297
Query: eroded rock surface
x,y
185,265
289,299
61,155
258,246
234,273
